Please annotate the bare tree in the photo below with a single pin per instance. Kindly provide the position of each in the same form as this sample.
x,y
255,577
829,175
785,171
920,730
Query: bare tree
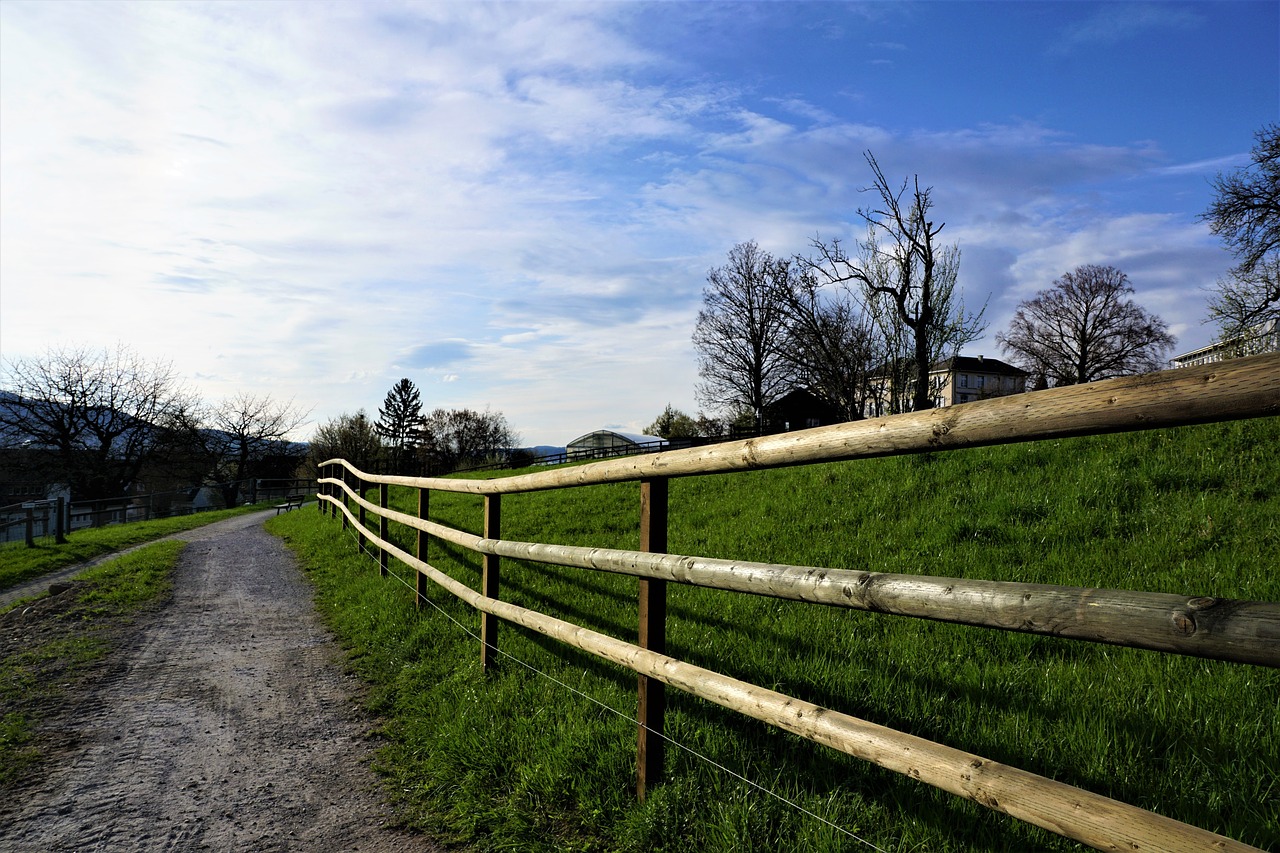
x,y
902,266
1246,214
834,345
456,437
351,437
1245,304
243,431
400,422
1086,328
741,333
95,417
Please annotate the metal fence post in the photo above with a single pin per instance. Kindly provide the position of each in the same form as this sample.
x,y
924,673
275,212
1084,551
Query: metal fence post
x,y
489,582
650,747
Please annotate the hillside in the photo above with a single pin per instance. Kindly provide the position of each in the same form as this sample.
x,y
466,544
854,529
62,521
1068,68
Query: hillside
x,y
514,758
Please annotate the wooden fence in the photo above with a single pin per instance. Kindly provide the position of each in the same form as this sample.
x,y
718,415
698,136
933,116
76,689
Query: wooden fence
x,y
1239,631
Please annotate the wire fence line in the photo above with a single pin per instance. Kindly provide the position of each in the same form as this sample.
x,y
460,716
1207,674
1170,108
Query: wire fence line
x,y
1206,627
52,519
630,718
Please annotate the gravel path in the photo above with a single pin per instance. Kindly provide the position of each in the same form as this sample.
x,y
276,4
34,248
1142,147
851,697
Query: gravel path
x,y
228,725
195,534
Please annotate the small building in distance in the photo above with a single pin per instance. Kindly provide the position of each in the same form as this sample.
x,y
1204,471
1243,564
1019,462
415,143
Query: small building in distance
x,y
962,379
1264,337
800,409
966,378
604,443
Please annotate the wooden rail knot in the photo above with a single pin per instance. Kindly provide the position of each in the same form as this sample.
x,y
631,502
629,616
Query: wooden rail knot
x,y
1184,623
1203,603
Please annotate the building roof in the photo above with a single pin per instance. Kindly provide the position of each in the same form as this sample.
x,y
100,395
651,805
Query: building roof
x,y
962,363
627,437
978,364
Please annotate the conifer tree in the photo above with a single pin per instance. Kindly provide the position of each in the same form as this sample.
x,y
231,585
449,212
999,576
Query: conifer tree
x,y
400,422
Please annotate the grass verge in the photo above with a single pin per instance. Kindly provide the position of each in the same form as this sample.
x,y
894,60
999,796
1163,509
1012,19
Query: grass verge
x,y
520,760
50,647
19,563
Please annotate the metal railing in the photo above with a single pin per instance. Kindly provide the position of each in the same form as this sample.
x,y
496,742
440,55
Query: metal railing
x,y
54,519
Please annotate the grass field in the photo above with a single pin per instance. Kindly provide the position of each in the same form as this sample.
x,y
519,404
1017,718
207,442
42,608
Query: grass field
x,y
19,563
540,755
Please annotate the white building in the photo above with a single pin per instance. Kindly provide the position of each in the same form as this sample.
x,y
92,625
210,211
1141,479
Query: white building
x,y
1264,337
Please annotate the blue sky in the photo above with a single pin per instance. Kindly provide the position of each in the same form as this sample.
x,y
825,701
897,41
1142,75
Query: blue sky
x,y
516,204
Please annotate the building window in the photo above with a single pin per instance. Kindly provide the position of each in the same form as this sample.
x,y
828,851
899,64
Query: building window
x,y
964,380
979,381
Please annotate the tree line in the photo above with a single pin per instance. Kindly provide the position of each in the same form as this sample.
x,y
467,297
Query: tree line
x,y
100,421
863,328
406,440
859,328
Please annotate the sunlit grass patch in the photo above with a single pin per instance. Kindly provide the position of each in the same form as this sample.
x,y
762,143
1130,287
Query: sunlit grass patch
x,y
19,563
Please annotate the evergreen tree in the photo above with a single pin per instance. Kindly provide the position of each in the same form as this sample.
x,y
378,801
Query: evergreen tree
x,y
400,422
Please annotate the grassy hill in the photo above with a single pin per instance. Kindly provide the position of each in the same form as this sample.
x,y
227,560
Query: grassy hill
x,y
523,760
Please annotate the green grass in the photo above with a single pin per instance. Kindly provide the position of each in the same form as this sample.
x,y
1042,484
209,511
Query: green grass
x,y
58,650
19,563
512,760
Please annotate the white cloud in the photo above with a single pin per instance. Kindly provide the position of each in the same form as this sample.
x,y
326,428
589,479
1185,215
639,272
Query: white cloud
x,y
511,203
1113,23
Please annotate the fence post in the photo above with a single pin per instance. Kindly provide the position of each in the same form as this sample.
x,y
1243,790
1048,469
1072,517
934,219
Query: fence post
x,y
334,491
360,515
650,747
346,484
60,526
384,501
31,527
489,583
420,585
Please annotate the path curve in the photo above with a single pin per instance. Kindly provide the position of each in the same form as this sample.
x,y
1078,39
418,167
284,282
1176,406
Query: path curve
x,y
229,725
36,586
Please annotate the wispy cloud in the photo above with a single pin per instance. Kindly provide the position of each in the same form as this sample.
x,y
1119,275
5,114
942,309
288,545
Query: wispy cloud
x,y
513,204
1113,23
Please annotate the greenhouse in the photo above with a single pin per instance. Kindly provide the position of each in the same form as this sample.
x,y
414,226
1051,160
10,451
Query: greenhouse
x,y
605,442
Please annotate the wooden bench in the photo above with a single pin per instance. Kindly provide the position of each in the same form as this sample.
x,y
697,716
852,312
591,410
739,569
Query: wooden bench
x,y
291,502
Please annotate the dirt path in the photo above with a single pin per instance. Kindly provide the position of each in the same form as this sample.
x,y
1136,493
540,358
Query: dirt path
x,y
195,534
227,725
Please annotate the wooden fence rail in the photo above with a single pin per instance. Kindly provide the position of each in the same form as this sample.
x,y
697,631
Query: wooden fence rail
x,y
1217,628
1240,631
